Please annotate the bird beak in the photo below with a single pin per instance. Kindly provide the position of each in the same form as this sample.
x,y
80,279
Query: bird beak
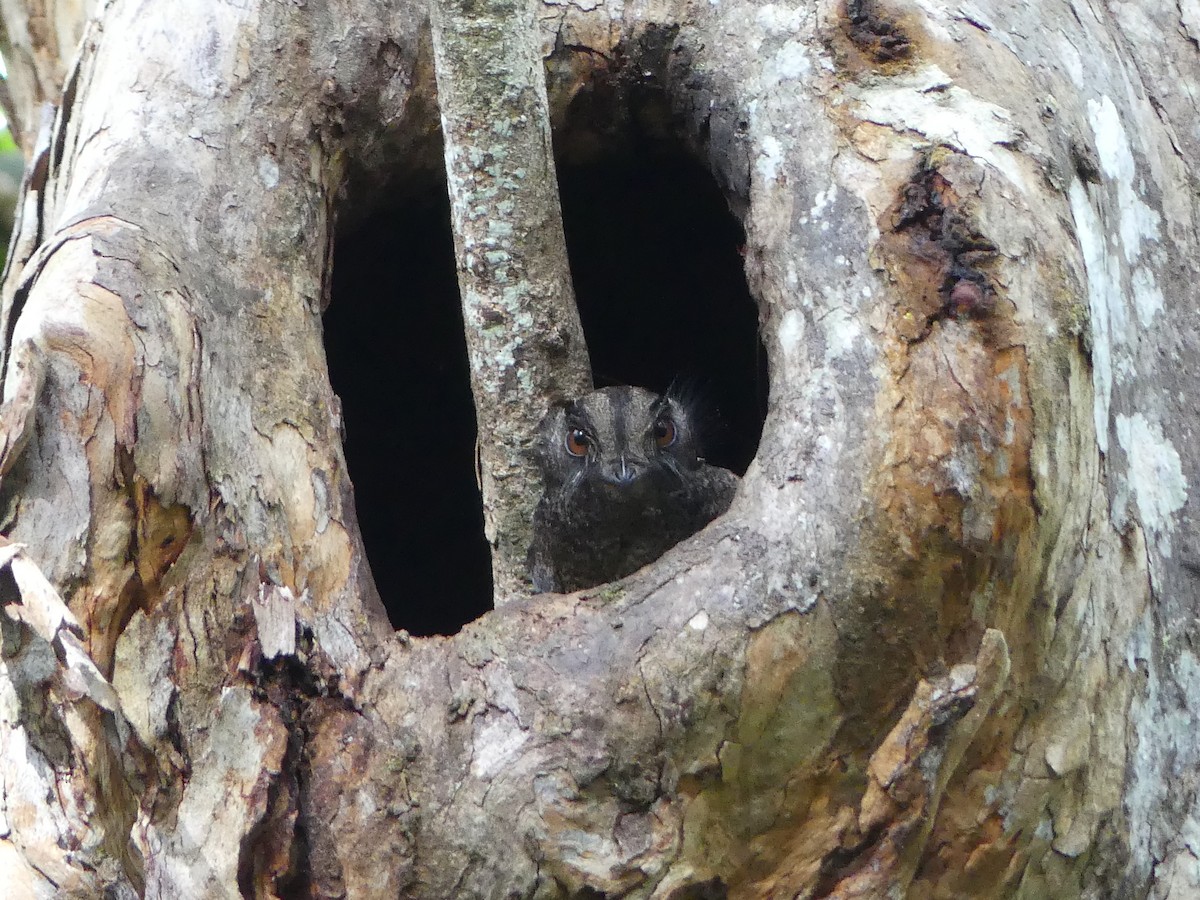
x,y
623,471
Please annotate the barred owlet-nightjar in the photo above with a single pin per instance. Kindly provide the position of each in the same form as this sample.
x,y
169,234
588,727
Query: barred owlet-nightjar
x,y
624,482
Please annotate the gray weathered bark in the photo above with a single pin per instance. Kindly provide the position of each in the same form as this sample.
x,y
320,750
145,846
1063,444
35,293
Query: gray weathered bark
x,y
523,332
38,40
942,644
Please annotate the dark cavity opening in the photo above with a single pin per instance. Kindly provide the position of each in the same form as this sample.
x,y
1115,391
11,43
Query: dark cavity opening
x,y
656,260
398,361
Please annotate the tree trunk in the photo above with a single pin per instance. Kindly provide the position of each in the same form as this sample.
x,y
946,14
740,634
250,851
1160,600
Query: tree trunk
x,y
941,645
523,331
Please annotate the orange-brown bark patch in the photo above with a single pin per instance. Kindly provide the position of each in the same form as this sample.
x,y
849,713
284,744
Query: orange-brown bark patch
x,y
128,575
954,514
875,36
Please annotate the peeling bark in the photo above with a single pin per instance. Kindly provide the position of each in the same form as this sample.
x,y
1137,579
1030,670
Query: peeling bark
x,y
940,646
39,41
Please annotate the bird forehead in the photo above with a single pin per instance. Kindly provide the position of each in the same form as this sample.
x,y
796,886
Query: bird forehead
x,y
640,403
606,415
623,411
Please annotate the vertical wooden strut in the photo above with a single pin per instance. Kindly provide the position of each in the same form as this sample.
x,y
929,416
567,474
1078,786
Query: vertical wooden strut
x,y
524,339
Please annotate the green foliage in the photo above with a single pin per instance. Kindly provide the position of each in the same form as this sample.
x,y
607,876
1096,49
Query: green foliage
x,y
11,163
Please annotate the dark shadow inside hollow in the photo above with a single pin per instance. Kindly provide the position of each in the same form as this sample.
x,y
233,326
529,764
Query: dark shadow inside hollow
x,y
655,258
398,361
656,261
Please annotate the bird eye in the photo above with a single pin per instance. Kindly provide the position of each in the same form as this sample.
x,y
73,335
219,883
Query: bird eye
x,y
664,433
577,442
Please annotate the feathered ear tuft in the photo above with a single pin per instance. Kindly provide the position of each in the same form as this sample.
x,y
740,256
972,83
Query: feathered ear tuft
x,y
687,391
693,396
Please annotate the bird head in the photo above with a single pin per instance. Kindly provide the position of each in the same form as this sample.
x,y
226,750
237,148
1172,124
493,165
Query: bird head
x,y
624,439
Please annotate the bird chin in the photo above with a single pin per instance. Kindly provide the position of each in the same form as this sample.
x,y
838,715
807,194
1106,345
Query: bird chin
x,y
628,493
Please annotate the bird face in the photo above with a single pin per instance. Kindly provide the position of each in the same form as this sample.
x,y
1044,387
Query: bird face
x,y
622,439
624,483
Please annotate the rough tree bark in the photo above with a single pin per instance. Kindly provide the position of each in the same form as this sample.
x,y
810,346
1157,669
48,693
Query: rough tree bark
x,y
524,336
943,643
38,40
